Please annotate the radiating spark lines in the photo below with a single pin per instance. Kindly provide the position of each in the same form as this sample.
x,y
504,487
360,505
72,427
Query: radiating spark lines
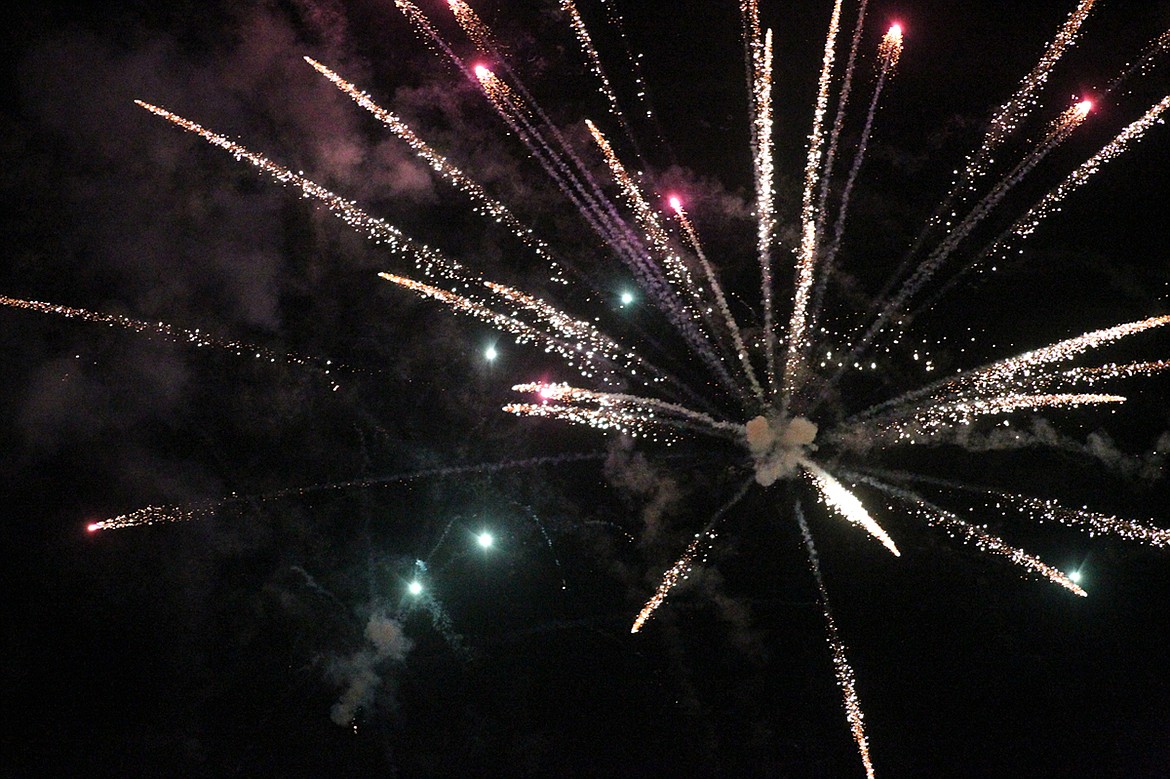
x,y
759,55
426,259
759,389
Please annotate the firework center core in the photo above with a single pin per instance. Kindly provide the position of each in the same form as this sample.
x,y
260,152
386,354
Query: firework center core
x,y
778,444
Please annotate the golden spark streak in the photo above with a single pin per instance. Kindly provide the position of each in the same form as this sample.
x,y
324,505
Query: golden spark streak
x,y
675,574
890,49
846,678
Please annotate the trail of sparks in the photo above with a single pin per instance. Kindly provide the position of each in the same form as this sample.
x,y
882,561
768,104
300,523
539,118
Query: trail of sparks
x,y
677,272
682,567
170,332
594,60
1115,371
153,515
720,300
652,410
846,678
889,52
836,496
759,55
484,203
1093,522
569,351
842,105
978,537
1014,111
963,412
798,340
1022,372
1047,510
926,270
425,258
1050,203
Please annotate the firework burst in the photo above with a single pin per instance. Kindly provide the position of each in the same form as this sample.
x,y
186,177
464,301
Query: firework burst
x,y
755,379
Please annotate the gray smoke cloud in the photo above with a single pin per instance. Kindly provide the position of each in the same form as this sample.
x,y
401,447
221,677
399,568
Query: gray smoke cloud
x,y
360,672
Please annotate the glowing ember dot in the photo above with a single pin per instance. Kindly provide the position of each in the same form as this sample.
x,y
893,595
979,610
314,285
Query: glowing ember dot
x,y
627,298
93,527
485,539
1075,576
490,354
895,30
1084,107
481,72
415,588
675,203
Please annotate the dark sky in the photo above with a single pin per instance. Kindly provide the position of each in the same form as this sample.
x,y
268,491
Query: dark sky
x,y
228,645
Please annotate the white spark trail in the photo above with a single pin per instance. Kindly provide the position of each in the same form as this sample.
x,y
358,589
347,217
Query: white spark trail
x,y
975,535
1012,113
759,55
425,258
846,678
798,340
151,515
720,300
1021,371
651,409
836,496
485,203
170,332
889,52
839,115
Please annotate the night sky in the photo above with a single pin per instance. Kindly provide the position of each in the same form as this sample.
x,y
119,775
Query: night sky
x,y
234,644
